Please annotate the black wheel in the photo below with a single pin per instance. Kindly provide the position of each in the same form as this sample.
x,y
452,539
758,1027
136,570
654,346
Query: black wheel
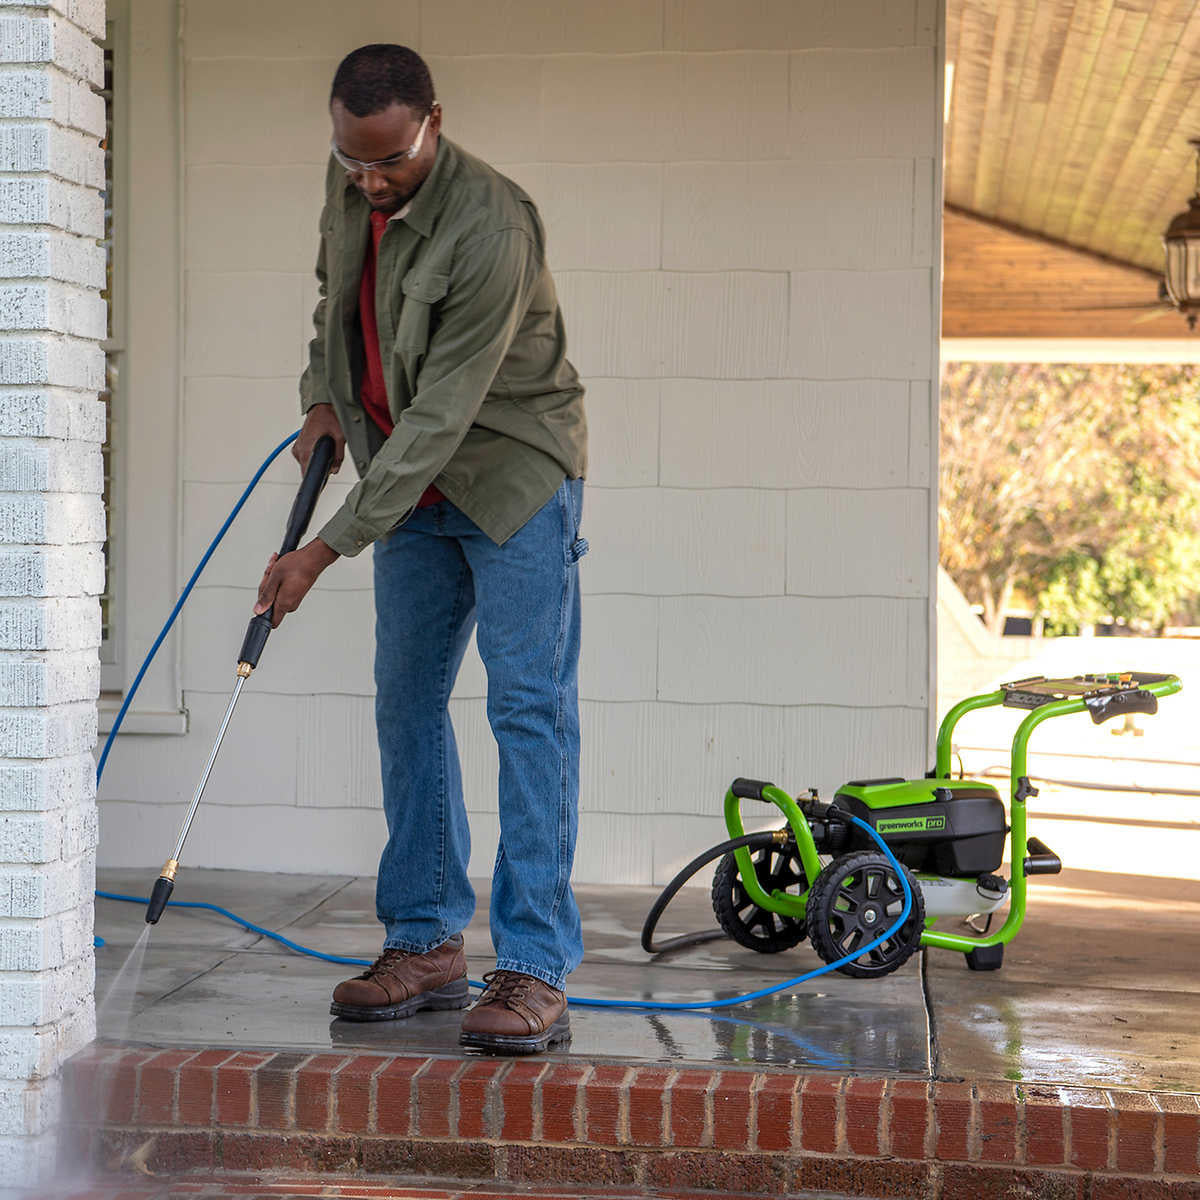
x,y
776,868
852,902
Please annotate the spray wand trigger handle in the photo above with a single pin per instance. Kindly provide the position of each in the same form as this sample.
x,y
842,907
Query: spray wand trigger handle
x,y
314,479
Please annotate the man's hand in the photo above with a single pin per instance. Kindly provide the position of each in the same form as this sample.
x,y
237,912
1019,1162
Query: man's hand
x,y
318,421
286,580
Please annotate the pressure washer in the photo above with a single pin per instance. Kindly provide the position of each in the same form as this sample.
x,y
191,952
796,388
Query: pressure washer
x,y
820,876
865,878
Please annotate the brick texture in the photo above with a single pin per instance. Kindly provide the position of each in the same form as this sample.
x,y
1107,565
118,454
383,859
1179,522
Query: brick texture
x,y
52,521
569,1124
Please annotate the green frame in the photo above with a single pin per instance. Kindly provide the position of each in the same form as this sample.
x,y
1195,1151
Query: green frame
x,y
794,906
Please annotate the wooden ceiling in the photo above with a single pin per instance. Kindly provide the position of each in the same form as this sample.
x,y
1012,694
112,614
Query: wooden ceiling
x,y
1002,283
1070,119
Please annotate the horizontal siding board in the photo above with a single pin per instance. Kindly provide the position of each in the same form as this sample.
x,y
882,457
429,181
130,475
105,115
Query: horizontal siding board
x,y
244,324
651,325
864,103
258,763
826,747
269,29
790,215
263,411
325,646
286,242
658,542
597,217
785,433
262,837
791,650
491,105
769,24
256,111
861,324
851,543
664,107
520,27
670,758
623,432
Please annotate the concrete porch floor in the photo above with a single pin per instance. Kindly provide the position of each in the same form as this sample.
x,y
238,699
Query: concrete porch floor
x,y
1098,990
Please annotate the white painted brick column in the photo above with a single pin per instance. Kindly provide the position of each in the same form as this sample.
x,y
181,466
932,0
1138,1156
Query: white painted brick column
x,y
52,319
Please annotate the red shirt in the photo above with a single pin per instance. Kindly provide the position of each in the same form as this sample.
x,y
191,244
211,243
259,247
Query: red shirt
x,y
374,389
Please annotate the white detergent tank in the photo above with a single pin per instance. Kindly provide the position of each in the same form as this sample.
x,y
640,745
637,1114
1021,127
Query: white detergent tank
x,y
958,897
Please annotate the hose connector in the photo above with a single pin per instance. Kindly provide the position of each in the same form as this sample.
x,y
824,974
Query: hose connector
x,y
164,885
244,669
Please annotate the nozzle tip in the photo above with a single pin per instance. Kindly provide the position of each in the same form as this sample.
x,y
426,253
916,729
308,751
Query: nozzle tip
x,y
158,899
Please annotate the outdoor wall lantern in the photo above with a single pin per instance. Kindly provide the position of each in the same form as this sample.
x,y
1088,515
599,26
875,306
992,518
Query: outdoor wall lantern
x,y
1182,245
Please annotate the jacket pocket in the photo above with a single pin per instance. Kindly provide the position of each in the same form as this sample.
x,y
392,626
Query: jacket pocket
x,y
426,287
422,291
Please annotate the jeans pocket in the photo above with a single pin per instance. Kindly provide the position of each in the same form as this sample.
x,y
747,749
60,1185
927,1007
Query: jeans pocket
x,y
572,497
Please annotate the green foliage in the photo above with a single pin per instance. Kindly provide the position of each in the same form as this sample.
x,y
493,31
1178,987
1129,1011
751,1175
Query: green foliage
x,y
1078,486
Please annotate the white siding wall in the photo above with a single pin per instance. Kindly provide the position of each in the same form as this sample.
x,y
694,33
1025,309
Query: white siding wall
x,y
742,207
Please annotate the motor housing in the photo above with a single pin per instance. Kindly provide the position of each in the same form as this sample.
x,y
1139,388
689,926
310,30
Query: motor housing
x,y
944,826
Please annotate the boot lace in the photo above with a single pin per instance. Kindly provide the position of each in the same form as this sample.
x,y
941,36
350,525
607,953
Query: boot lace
x,y
385,962
506,987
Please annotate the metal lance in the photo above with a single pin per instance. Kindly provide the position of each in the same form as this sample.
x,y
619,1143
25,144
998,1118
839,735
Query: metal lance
x,y
257,633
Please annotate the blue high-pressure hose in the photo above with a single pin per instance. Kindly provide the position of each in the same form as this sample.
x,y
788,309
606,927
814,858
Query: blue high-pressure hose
x,y
576,1001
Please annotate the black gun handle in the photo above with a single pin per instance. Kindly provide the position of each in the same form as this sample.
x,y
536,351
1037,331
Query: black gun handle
x,y
314,479
306,498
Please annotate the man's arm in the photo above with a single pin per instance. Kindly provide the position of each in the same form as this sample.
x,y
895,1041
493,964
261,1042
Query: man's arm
x,y
491,282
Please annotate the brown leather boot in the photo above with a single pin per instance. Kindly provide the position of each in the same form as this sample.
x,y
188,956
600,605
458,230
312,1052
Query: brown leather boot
x,y
399,983
517,1014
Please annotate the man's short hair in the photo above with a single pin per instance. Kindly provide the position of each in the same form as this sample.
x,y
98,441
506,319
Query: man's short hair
x,y
375,77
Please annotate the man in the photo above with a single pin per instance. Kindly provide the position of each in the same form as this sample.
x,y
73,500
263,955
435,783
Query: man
x,y
439,363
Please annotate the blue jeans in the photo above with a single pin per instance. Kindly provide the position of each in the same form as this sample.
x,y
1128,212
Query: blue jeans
x,y
436,577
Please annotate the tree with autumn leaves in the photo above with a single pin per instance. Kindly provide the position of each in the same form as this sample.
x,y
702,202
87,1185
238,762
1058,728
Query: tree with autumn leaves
x,y
1076,488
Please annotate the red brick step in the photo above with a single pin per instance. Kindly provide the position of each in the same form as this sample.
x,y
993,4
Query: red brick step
x,y
243,1187
636,1130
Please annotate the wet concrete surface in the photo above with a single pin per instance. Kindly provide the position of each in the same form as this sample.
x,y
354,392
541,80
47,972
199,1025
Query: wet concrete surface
x,y
206,982
1098,989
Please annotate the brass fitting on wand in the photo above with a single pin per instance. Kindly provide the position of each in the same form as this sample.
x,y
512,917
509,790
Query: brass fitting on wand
x,y
164,885
243,670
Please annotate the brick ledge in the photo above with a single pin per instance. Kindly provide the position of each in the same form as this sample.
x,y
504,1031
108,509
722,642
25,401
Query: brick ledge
x,y
738,1128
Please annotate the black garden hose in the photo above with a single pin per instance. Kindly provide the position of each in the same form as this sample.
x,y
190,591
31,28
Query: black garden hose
x,y
750,841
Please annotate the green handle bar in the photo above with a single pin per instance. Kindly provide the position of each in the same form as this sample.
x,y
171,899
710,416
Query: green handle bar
x,y
1167,686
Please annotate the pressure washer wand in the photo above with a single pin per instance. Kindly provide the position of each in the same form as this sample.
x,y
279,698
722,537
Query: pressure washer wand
x,y
257,633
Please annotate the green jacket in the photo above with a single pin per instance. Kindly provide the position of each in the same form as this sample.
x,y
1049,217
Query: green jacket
x,y
486,405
